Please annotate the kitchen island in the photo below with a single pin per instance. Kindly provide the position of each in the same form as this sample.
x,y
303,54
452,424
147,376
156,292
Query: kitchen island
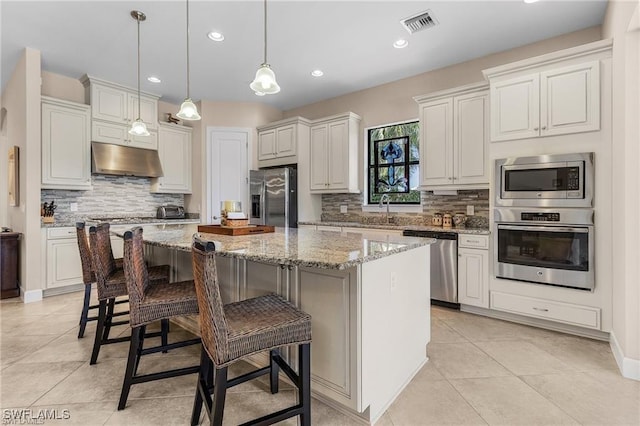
x,y
368,296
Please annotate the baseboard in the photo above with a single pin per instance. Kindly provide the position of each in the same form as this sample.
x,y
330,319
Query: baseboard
x,y
629,367
63,290
30,295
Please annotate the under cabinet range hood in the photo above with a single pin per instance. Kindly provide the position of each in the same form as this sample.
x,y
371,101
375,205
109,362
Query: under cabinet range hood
x,y
109,159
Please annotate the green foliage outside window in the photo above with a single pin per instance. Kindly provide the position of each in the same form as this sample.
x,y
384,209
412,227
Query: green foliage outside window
x,y
388,163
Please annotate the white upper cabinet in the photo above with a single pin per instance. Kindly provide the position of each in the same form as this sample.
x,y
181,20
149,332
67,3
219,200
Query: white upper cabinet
x,y
558,99
278,142
334,154
114,108
174,149
454,126
66,145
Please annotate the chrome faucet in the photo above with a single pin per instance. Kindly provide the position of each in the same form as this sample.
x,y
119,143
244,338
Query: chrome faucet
x,y
385,197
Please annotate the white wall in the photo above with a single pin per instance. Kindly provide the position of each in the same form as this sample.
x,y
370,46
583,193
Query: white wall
x,y
21,98
622,23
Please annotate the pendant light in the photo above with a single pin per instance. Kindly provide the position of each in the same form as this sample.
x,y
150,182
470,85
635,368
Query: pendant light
x,y
265,81
188,110
138,128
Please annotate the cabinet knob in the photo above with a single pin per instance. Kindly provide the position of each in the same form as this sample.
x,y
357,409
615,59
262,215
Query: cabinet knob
x,y
535,128
544,127
450,178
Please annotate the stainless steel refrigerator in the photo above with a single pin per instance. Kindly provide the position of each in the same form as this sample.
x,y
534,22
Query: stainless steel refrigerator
x,y
273,195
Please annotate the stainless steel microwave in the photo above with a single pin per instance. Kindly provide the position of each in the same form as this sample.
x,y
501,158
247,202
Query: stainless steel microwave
x,y
561,180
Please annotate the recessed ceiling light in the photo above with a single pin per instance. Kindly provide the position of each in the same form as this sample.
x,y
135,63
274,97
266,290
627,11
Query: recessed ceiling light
x,y
400,43
259,93
530,1
317,73
215,36
154,79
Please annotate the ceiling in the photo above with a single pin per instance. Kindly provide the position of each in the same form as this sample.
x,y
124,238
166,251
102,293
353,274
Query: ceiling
x,y
351,41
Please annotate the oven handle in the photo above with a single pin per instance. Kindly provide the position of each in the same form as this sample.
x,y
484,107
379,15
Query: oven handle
x,y
544,228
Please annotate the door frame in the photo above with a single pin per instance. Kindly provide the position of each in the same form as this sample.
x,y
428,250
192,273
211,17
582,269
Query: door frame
x,y
206,207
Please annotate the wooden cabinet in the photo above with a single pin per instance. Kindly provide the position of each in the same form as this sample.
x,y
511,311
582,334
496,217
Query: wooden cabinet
x,y
556,101
454,135
9,264
278,142
334,154
114,108
473,270
66,145
174,149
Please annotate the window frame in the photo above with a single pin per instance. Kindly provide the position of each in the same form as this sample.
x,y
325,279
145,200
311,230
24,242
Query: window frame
x,y
395,207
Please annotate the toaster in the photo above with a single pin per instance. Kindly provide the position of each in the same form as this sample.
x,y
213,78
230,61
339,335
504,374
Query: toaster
x,y
170,212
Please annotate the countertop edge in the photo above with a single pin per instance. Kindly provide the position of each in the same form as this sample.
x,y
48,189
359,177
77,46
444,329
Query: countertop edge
x,y
477,231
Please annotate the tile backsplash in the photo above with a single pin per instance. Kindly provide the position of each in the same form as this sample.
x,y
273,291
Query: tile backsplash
x,y
431,204
111,196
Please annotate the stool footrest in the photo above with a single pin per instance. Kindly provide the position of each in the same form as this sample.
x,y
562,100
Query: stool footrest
x,y
249,376
164,374
276,417
176,345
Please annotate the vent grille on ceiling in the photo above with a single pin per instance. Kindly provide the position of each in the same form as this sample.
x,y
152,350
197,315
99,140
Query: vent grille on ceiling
x,y
419,22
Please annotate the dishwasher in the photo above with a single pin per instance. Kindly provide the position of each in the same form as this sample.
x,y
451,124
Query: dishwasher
x,y
444,266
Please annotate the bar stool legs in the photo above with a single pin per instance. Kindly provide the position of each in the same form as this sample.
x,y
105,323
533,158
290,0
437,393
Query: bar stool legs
x,y
84,316
212,391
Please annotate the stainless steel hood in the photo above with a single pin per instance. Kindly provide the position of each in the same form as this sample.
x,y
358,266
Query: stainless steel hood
x,y
109,159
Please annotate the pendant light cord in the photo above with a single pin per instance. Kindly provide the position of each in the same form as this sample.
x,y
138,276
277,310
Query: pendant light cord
x,y
265,31
138,19
188,73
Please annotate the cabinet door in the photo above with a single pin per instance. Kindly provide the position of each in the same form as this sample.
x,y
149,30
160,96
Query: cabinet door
x,y
338,155
146,142
66,147
473,277
174,149
330,298
148,110
63,263
570,99
286,141
109,104
436,142
471,139
261,279
267,144
109,133
515,112
318,161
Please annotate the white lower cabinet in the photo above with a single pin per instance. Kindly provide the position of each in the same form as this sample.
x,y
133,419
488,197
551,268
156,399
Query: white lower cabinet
x,y
473,270
568,313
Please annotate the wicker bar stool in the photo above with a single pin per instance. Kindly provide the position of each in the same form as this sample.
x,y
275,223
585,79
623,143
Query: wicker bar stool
x,y
149,302
111,283
238,330
88,278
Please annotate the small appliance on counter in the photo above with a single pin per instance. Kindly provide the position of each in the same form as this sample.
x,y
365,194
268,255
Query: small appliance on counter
x,y
170,212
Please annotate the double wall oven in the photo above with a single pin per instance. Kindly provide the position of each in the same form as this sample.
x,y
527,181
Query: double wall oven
x,y
544,220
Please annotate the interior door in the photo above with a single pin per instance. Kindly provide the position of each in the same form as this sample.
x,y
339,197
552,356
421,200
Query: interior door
x,y
227,169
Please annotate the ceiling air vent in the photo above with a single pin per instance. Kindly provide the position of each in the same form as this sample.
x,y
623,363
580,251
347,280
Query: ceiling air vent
x,y
419,22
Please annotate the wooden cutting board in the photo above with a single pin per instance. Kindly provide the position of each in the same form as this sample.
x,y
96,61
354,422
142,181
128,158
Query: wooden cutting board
x,y
236,230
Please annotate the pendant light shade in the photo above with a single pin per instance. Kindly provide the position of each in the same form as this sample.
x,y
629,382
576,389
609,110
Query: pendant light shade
x,y
265,82
188,110
138,128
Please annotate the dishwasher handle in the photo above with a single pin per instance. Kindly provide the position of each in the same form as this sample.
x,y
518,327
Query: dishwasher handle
x,y
431,234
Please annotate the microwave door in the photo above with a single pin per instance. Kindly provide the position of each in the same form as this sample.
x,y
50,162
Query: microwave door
x,y
536,181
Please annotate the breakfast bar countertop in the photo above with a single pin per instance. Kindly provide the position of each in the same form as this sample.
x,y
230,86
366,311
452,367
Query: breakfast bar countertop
x,y
288,246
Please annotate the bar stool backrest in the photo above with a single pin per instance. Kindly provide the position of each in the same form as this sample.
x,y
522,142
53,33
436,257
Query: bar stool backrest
x,y
213,324
136,273
103,262
88,276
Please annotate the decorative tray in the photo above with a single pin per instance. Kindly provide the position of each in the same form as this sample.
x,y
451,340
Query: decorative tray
x,y
236,230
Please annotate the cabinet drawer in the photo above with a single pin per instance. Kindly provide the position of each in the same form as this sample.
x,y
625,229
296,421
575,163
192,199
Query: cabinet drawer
x,y
583,316
58,233
473,241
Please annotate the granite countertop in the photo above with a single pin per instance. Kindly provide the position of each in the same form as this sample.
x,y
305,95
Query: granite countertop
x,y
71,221
477,231
288,246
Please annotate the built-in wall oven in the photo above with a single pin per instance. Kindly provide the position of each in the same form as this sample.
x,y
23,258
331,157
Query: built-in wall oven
x,y
546,246
559,180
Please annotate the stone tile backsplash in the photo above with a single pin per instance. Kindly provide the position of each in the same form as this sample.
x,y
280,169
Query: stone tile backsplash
x,y
430,204
111,196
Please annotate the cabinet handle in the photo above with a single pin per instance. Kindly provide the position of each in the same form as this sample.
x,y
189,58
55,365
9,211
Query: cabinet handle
x,y
540,309
450,178
535,128
544,127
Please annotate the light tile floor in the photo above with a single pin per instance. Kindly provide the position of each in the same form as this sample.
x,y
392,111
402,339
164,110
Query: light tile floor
x,y
481,371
